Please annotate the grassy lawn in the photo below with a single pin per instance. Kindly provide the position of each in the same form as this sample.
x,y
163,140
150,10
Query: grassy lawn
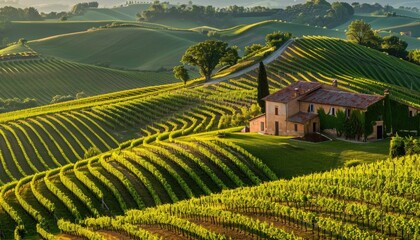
x,y
289,158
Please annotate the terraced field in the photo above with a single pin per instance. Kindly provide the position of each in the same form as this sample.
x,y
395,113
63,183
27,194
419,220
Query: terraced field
x,y
56,136
375,201
61,133
43,78
128,179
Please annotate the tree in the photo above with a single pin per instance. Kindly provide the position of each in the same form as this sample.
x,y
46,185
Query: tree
x,y
63,18
414,56
208,55
253,48
263,89
231,57
360,32
181,73
394,46
277,39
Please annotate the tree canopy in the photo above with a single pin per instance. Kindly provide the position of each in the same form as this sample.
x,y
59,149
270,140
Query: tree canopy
x,y
263,88
277,39
181,73
208,55
360,32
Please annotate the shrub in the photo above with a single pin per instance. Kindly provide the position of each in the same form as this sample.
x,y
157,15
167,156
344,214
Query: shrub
x,y
411,146
397,147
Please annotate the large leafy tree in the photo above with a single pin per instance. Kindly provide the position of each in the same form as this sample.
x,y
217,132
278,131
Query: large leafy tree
x,y
181,73
360,32
208,55
263,89
394,46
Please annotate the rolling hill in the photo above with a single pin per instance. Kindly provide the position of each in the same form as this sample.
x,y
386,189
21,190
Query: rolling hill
x,y
135,48
42,29
149,49
125,125
44,78
126,13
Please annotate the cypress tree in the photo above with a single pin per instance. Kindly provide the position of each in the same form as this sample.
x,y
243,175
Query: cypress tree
x,y
263,90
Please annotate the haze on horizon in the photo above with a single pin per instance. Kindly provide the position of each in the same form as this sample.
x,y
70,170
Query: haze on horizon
x,y
65,5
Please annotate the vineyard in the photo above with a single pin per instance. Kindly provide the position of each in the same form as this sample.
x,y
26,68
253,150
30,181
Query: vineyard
x,y
44,177
47,137
141,177
376,201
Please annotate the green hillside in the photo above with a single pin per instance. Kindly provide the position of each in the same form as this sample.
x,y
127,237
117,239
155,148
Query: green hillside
x,y
136,48
149,49
43,78
414,28
125,126
42,29
363,202
127,13
380,22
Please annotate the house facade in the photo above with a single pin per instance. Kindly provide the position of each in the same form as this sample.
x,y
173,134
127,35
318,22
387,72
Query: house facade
x,y
293,111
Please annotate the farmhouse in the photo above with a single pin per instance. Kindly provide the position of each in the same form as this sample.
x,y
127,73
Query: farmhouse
x,y
293,111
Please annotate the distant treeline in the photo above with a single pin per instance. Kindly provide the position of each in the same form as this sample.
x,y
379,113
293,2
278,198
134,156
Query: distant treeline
x,y
13,104
9,13
314,12
318,12
164,9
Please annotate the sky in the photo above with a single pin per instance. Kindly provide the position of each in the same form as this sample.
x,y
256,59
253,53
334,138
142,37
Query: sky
x,y
65,5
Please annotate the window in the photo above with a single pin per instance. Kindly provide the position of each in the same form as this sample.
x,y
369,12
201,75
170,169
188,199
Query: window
x,y
411,113
348,111
311,107
296,127
276,111
332,111
262,126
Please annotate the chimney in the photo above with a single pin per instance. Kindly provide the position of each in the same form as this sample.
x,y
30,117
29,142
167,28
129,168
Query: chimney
x,y
335,83
297,92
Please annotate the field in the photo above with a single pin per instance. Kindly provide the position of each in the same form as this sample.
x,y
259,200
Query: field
x,y
43,78
132,47
374,201
42,29
107,120
290,158
135,48
130,127
393,25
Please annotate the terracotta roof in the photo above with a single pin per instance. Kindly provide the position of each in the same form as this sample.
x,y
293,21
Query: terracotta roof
x,y
256,117
341,98
302,117
289,93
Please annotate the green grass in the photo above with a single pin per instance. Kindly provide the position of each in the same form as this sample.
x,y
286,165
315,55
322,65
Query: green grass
x,y
414,28
134,48
42,29
290,158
